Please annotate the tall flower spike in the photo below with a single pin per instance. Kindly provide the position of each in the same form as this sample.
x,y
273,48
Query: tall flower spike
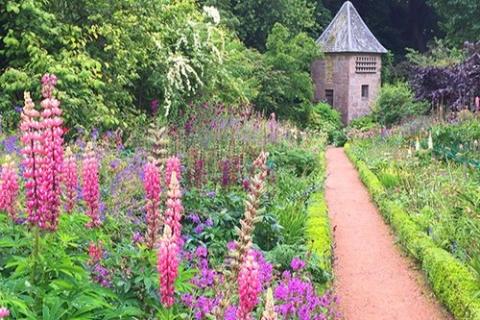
x,y
91,191
152,193
33,155
70,181
51,169
269,312
173,214
167,266
9,188
173,165
249,287
247,225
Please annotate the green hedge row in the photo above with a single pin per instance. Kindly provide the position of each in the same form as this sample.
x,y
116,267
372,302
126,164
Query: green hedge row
x,y
452,282
318,232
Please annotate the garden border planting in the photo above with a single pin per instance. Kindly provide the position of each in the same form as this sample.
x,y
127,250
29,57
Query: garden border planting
x,y
452,282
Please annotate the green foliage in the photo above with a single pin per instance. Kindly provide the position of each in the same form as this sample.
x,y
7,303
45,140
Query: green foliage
x,y
287,86
254,19
396,103
114,58
301,161
459,19
292,219
439,55
324,118
453,283
319,232
364,123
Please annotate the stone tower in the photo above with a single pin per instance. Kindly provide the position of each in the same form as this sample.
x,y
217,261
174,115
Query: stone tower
x,y
348,77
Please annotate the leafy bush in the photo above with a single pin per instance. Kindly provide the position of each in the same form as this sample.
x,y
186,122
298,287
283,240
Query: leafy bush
x,y
301,161
287,86
395,103
364,123
325,118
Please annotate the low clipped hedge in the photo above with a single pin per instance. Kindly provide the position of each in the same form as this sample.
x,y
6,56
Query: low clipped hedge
x,y
318,232
452,282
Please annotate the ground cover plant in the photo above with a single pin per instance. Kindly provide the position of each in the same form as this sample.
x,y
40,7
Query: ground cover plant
x,y
205,219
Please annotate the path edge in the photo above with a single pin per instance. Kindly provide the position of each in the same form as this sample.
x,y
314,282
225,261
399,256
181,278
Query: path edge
x,y
318,230
452,282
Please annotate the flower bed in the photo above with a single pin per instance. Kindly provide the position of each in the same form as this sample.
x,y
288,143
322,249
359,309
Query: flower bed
x,y
205,219
452,281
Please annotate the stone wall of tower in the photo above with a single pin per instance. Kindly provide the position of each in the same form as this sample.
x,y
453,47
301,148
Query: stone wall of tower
x,y
338,72
331,73
357,105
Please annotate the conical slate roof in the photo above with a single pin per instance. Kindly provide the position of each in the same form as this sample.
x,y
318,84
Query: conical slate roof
x,y
348,33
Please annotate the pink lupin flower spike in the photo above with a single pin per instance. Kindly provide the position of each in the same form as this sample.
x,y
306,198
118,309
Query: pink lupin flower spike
x,y
51,168
91,191
152,194
33,155
173,165
173,214
167,266
70,179
9,189
249,287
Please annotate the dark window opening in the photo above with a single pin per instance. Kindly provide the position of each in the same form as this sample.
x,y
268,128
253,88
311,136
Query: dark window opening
x,y
365,91
329,96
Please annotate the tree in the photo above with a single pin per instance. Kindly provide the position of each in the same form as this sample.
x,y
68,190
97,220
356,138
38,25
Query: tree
x,y
287,87
253,20
460,19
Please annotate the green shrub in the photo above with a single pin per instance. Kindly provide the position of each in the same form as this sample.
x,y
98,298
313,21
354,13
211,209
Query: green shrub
x,y
364,123
300,160
395,103
324,118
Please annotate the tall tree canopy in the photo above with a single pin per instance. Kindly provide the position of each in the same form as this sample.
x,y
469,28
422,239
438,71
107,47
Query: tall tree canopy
x,y
460,19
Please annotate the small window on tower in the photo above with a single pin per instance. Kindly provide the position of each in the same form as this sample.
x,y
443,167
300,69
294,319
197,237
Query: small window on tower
x,y
329,97
365,91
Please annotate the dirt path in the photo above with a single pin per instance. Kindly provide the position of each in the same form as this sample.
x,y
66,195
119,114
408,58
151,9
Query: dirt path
x,y
373,279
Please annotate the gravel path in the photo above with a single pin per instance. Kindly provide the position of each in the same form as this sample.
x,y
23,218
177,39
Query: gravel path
x,y
373,279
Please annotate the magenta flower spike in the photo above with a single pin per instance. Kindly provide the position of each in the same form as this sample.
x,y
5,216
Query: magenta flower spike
x,y
249,287
33,155
91,191
51,168
9,189
173,165
173,214
70,175
167,266
152,194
